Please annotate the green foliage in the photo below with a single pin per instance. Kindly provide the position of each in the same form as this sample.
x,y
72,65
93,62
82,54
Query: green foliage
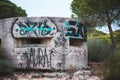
x,y
5,67
99,35
97,50
111,68
96,33
9,9
117,36
105,37
5,64
2,53
96,12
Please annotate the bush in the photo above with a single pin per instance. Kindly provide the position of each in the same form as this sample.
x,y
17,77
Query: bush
x,y
111,68
5,64
2,53
97,50
5,67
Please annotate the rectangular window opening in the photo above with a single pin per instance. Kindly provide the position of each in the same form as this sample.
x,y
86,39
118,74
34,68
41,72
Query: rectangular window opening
x,y
34,41
76,42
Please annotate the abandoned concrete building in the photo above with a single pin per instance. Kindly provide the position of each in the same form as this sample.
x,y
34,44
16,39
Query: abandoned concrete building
x,y
44,42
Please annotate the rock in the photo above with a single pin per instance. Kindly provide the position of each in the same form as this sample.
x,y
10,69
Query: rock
x,y
35,76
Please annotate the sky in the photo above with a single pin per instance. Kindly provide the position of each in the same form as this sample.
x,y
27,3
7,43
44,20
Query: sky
x,y
50,8
105,28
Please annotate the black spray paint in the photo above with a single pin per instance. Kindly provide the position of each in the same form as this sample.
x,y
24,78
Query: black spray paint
x,y
42,58
75,29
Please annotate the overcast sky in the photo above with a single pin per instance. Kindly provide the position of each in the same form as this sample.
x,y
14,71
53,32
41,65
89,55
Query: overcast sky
x,y
37,8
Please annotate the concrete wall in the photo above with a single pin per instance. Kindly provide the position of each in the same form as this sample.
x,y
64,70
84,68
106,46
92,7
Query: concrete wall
x,y
44,42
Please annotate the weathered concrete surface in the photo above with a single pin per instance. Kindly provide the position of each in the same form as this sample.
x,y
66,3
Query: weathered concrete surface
x,y
79,75
45,42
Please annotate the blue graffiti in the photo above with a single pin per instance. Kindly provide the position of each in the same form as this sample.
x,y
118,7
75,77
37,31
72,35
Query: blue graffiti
x,y
75,29
42,28
24,28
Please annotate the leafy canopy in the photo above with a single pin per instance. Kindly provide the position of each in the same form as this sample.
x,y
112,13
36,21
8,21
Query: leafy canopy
x,y
9,9
97,12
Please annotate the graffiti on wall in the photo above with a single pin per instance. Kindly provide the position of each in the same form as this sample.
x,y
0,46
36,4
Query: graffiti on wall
x,y
47,28
60,41
75,29
34,29
45,57
40,56
37,57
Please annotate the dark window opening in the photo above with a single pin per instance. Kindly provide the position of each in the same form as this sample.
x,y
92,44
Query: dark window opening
x,y
76,42
34,41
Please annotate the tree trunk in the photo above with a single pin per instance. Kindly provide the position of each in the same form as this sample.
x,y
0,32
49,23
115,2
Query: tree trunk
x,y
113,46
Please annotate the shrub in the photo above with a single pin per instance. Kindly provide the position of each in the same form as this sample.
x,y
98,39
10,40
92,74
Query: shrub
x,y
5,67
97,50
2,53
111,68
5,64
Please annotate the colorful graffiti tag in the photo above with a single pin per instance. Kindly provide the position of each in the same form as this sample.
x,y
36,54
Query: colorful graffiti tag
x,y
41,27
46,43
75,29
33,29
46,28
